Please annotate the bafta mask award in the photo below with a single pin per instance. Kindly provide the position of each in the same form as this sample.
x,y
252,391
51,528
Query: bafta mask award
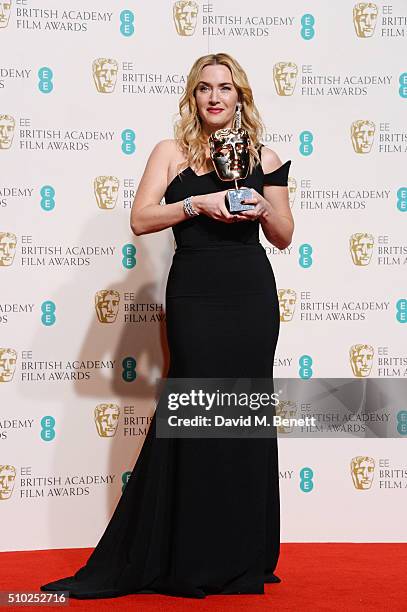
x,y
229,151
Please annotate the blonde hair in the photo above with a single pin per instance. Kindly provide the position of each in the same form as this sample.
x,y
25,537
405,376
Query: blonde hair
x,y
188,129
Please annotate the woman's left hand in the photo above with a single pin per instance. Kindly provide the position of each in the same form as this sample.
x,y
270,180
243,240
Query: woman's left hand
x,y
262,206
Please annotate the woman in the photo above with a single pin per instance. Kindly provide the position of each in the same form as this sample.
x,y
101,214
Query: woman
x,y
201,516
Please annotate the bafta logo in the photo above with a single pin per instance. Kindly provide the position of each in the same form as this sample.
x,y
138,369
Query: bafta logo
x,y
361,248
361,359
8,242
365,18
7,125
8,360
7,478
286,410
106,419
185,14
292,190
285,78
105,74
107,305
5,9
286,300
362,133
106,191
362,471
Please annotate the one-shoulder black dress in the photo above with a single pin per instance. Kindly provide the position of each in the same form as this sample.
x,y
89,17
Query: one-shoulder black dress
x,y
201,516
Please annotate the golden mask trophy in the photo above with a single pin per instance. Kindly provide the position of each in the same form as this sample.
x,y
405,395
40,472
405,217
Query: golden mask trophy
x,y
229,151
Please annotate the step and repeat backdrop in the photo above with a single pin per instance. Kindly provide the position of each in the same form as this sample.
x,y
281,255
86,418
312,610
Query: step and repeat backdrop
x,y
86,91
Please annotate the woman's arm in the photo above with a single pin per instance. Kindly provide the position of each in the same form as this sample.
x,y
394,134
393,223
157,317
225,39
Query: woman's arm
x,y
273,209
277,221
147,215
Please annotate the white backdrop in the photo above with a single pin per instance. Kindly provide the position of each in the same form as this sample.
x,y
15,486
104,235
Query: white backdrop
x,y
66,120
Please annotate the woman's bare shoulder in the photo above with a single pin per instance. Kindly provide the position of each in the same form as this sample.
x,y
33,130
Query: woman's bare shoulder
x,y
270,161
168,153
171,156
168,147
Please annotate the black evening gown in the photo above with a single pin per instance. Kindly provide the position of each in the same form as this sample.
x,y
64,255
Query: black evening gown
x,y
201,516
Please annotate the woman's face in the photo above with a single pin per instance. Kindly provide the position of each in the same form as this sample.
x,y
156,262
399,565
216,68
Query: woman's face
x,y
216,97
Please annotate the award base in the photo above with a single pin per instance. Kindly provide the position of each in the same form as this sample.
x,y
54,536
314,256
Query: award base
x,y
234,199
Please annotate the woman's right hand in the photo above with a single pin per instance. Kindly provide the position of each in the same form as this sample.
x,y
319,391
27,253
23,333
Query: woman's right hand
x,y
214,205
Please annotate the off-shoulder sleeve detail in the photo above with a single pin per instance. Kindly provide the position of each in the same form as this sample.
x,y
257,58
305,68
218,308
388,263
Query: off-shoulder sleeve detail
x,y
278,176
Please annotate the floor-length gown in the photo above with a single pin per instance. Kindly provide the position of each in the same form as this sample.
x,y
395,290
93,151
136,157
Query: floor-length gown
x,y
201,516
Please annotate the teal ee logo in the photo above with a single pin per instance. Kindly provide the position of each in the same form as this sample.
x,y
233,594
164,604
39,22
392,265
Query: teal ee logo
x,y
129,259
125,479
307,26
47,428
47,194
129,369
306,138
401,310
305,258
402,199
48,313
127,23
402,422
306,482
403,85
305,371
45,84
128,138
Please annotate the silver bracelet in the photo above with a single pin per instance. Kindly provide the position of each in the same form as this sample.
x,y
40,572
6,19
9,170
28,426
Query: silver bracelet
x,y
188,208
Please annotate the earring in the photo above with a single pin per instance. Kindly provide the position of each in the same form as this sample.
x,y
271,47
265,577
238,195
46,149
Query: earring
x,y
237,123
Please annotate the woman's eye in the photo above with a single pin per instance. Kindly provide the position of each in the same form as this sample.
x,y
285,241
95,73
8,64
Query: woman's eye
x,y
204,88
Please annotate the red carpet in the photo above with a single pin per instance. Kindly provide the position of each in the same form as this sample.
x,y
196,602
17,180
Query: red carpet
x,y
314,577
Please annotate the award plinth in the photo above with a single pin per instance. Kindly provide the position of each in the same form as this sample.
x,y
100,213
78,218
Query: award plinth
x,y
235,199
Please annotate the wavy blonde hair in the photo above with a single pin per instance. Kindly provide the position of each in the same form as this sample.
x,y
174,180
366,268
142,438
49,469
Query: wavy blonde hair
x,y
188,128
